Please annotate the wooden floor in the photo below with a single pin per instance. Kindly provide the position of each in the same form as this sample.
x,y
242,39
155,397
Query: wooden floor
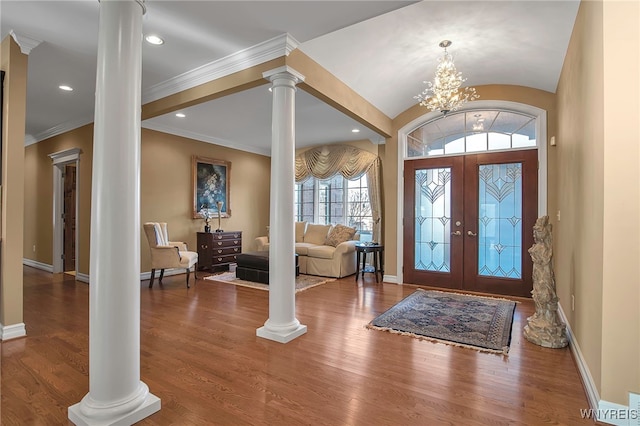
x,y
201,356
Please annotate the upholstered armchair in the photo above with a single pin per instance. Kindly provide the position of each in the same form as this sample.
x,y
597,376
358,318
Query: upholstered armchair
x,y
168,254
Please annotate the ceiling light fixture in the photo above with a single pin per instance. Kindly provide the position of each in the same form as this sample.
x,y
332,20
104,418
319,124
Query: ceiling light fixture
x,y
355,130
154,39
444,93
65,88
180,115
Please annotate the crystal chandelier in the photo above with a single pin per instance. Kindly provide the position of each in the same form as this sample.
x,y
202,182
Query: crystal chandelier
x,y
444,93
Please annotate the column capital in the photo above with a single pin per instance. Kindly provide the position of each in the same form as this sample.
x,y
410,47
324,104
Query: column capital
x,y
140,2
283,72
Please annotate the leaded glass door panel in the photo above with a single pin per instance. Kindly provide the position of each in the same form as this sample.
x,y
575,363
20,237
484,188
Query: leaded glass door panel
x,y
468,221
501,206
434,198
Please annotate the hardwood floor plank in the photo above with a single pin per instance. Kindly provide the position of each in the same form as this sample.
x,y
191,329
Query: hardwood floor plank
x,y
201,356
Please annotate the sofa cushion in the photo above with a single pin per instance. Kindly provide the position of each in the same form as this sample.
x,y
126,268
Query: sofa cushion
x,y
339,234
300,227
316,234
302,249
322,252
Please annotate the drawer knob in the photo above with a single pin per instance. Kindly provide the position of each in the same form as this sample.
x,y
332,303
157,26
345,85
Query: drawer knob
x,y
219,259
219,243
204,246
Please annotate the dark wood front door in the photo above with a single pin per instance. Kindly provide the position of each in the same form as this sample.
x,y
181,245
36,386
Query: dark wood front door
x,y
468,221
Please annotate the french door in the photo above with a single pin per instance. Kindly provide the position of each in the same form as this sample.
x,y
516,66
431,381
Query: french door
x,y
468,221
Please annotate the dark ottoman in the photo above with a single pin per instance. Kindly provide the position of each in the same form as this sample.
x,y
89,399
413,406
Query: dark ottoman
x,y
254,266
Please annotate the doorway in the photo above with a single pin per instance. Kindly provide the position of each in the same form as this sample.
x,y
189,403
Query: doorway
x,y
468,221
69,219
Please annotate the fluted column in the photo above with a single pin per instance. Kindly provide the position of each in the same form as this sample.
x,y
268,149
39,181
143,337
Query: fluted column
x,y
116,394
282,325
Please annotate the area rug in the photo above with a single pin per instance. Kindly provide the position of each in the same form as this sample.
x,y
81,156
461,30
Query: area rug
x,y
481,323
303,282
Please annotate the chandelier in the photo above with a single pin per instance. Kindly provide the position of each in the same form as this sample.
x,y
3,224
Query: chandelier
x,y
444,93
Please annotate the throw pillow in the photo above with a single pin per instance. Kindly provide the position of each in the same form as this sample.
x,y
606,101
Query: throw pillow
x,y
316,234
300,227
339,234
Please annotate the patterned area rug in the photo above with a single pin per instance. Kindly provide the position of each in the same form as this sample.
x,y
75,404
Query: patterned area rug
x,y
303,282
481,323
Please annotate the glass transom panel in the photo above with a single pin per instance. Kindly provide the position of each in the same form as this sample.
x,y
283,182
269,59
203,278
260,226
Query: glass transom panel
x,y
472,131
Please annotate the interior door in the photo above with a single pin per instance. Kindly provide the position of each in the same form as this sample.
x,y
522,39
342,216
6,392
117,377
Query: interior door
x,y
69,234
468,221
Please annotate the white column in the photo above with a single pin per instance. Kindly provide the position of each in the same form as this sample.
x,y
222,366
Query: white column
x,y
116,394
282,325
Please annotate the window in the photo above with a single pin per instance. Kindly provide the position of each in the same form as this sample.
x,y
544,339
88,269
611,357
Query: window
x,y
472,131
335,200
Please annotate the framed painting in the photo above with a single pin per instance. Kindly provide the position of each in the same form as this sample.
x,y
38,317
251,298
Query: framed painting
x,y
211,183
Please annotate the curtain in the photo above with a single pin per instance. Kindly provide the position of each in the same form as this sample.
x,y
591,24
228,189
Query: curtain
x,y
327,161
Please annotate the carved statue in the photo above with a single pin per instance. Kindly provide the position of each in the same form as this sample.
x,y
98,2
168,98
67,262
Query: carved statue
x,y
544,328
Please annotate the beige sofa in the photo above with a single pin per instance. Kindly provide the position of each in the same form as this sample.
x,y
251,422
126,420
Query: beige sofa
x,y
325,250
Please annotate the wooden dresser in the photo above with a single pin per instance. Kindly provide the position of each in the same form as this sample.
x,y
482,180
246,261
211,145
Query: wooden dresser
x,y
216,250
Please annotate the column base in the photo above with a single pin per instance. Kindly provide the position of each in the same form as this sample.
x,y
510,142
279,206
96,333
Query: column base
x,y
150,405
284,336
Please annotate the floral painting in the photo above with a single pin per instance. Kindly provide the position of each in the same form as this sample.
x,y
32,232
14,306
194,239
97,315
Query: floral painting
x,y
210,187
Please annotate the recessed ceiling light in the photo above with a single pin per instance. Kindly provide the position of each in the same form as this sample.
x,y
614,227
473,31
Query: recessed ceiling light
x,y
355,131
154,39
180,115
65,88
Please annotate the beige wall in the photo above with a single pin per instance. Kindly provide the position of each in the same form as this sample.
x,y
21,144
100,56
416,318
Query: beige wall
x,y
165,186
598,238
578,236
14,63
38,188
166,194
621,216
389,156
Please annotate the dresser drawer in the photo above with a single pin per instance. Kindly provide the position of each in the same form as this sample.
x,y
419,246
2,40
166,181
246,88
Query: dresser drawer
x,y
217,244
222,251
217,260
217,236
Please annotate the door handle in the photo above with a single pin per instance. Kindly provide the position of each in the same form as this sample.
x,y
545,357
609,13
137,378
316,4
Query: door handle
x,y
471,234
457,233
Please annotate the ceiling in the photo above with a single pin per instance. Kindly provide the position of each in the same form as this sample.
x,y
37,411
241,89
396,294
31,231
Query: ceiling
x,y
383,50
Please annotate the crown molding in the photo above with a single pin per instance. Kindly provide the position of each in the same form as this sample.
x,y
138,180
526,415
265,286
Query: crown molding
x,y
206,138
58,130
377,140
26,43
274,48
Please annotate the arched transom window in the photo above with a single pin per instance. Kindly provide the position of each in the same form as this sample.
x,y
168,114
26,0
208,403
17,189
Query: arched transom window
x,y
472,131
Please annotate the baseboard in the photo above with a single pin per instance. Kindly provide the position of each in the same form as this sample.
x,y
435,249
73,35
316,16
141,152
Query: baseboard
x,y
604,411
12,331
593,396
85,277
167,273
82,277
393,279
37,265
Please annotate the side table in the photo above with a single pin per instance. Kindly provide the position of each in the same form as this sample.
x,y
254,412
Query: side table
x,y
378,259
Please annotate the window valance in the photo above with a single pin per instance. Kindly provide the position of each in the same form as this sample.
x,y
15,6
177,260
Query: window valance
x,y
352,163
329,160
